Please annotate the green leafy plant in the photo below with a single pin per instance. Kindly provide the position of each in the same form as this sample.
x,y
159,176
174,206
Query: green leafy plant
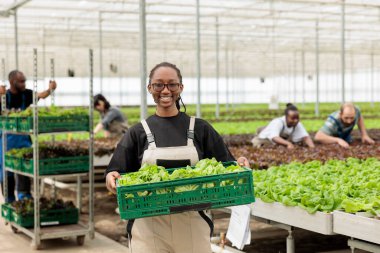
x,y
26,206
153,173
50,111
351,185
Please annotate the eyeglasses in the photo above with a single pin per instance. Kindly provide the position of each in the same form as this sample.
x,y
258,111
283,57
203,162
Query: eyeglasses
x,y
158,87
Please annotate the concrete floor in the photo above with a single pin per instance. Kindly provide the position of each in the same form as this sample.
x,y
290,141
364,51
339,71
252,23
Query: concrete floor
x,y
20,243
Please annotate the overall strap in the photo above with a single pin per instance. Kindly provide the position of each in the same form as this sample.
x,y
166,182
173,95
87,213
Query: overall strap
x,y
339,125
23,102
190,132
149,134
8,98
8,102
283,128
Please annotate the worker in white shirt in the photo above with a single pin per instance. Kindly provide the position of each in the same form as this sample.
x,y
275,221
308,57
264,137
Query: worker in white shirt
x,y
285,131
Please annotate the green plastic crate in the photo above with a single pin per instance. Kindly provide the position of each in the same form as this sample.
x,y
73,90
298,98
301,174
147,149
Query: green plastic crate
x,y
13,162
6,211
53,166
47,217
54,124
9,123
209,194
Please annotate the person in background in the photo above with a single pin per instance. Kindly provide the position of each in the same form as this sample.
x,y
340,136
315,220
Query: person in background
x,y
113,121
285,131
339,125
19,98
172,139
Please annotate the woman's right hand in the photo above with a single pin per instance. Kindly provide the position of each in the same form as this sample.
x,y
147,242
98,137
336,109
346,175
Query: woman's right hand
x,y
111,181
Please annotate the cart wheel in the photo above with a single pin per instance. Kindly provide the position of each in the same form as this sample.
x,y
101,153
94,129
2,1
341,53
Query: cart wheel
x,y
14,229
80,240
35,246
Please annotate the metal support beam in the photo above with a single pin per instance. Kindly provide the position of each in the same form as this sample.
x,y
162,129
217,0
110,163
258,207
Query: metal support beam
x,y
343,51
290,247
43,53
100,53
317,67
36,179
3,71
295,77
289,75
233,78
352,78
199,114
16,37
120,67
52,78
358,244
372,78
143,106
17,5
227,77
91,222
303,78
217,109
52,96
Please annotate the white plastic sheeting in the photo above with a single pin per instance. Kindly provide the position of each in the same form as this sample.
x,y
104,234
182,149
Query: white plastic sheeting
x,y
263,38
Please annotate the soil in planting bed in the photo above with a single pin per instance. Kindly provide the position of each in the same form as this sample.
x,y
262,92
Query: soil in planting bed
x,y
275,155
106,146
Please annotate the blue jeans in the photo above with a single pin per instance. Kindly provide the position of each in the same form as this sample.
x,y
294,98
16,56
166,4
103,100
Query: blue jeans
x,y
21,183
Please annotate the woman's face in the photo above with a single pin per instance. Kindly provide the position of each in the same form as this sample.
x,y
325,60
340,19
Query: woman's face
x,y
165,87
100,106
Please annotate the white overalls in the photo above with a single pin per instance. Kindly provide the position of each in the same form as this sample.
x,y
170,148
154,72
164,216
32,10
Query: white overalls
x,y
187,232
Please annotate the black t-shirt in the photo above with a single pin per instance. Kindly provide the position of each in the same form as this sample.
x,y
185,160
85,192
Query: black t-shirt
x,y
21,100
168,132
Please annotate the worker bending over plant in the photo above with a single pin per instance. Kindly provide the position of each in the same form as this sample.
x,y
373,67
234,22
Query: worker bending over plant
x,y
285,131
339,125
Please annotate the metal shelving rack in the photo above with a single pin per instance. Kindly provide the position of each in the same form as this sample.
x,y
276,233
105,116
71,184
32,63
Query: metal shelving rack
x,y
39,233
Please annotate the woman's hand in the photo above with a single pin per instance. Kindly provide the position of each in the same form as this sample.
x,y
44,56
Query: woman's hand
x,y
243,161
111,181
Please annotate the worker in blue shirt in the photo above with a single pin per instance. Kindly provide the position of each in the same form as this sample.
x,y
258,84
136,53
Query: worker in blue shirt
x,y
19,98
339,125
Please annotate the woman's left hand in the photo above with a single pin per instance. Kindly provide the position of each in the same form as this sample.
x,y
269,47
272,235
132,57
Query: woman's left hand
x,y
243,161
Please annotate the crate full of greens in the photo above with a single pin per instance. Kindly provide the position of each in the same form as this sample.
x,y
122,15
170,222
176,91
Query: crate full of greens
x,y
52,160
154,190
52,212
50,119
8,123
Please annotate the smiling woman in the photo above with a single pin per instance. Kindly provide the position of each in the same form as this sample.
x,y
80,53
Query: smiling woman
x,y
165,85
172,139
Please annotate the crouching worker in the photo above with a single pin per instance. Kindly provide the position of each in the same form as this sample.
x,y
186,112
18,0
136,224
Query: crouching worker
x,y
286,131
339,125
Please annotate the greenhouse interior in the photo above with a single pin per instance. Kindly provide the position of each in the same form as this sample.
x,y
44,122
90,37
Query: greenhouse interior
x,y
151,125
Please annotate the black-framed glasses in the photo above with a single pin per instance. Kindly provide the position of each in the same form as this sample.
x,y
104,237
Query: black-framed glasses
x,y
158,87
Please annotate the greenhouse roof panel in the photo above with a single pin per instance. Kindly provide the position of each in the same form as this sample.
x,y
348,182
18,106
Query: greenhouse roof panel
x,y
270,30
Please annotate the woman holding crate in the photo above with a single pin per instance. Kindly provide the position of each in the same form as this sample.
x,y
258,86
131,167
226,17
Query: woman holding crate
x,y
170,138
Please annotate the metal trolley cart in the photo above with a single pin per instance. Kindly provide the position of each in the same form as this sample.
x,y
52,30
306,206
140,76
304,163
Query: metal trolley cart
x,y
38,232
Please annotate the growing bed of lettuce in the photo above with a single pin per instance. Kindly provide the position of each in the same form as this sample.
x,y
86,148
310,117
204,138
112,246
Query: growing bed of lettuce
x,y
352,185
